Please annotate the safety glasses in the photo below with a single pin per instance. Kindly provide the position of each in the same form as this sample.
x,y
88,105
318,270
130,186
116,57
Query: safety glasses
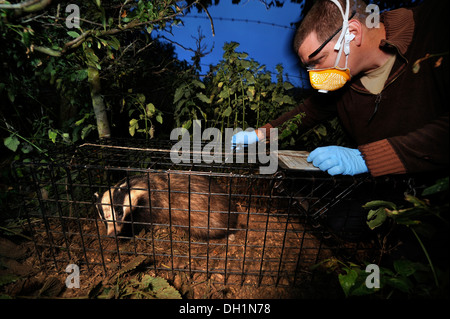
x,y
329,39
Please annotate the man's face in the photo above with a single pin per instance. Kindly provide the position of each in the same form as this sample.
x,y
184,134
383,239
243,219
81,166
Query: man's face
x,y
324,59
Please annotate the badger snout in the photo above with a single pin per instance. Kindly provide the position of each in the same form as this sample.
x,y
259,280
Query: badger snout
x,y
112,231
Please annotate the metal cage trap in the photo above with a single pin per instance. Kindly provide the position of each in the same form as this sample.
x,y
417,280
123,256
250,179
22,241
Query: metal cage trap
x,y
221,222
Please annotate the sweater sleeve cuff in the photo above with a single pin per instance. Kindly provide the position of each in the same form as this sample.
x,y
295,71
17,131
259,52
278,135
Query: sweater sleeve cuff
x,y
265,130
381,158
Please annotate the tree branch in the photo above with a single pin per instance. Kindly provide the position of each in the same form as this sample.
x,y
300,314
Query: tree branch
x,y
47,51
210,19
79,40
27,6
76,42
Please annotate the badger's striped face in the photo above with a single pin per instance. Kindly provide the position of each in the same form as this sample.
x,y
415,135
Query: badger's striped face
x,y
110,209
115,205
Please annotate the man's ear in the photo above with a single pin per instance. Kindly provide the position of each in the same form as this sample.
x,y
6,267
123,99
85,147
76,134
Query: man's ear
x,y
356,28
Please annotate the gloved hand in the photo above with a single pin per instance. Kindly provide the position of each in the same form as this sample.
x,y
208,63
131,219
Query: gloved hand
x,y
243,138
338,160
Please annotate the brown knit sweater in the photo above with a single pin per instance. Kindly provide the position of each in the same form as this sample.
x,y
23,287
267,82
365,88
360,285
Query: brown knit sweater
x,y
405,128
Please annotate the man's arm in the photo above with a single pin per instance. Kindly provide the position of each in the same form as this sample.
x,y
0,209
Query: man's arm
x,y
425,149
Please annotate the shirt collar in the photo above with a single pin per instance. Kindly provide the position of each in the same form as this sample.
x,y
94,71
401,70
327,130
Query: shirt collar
x,y
399,25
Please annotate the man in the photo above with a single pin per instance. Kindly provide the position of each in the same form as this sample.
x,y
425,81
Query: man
x,y
388,83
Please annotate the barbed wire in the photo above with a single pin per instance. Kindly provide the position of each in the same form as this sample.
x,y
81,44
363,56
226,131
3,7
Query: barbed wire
x,y
242,20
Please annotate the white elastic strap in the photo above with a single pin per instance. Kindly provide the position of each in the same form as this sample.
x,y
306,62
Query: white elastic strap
x,y
338,58
346,48
341,37
344,22
347,39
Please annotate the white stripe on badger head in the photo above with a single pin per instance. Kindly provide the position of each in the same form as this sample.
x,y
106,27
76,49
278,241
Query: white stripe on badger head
x,y
108,211
135,194
124,201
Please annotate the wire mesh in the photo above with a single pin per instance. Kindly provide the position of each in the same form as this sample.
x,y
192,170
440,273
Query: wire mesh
x,y
272,228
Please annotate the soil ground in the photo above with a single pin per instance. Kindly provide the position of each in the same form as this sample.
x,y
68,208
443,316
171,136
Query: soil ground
x,y
26,273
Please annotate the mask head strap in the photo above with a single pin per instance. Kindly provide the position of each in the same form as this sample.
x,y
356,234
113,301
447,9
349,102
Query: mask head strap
x,y
329,39
343,43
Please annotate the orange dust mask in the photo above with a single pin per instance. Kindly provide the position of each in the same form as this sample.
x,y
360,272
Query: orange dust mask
x,y
331,79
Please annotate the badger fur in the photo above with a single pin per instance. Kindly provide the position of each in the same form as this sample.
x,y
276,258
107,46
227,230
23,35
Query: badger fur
x,y
194,204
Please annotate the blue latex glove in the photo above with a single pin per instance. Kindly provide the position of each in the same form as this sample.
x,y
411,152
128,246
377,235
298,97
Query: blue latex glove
x,y
338,160
242,139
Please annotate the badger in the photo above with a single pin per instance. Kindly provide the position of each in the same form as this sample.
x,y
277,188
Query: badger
x,y
197,204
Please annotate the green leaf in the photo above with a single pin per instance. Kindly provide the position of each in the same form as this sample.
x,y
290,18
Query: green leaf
x,y
401,283
245,64
243,55
26,148
405,267
287,86
348,281
160,287
159,118
79,122
202,97
150,109
249,78
92,60
179,92
254,106
134,125
11,142
407,221
86,130
141,98
198,84
380,203
225,93
417,202
202,113
408,216
187,125
320,130
288,100
227,112
80,75
131,265
440,186
113,42
73,34
11,96
376,218
361,289
251,92
52,134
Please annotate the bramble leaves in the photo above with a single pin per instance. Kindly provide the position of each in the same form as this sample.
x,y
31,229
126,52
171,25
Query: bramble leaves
x,y
11,142
130,283
239,93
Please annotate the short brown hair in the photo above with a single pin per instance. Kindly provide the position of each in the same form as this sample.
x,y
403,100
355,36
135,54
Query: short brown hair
x,y
324,18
